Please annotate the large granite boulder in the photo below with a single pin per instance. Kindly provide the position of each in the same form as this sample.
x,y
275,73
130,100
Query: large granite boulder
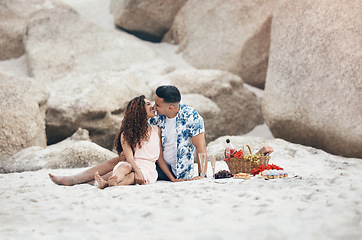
x,y
91,72
93,101
14,15
313,91
209,111
240,110
74,152
94,11
150,17
58,43
219,35
23,102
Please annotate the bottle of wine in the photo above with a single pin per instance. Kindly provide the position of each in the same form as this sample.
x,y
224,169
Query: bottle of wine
x,y
229,150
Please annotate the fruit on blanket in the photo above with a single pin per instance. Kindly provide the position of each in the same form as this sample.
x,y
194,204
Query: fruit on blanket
x,y
265,167
223,174
254,158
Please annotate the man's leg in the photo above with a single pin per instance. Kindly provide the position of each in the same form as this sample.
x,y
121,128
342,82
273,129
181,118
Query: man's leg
x,y
162,175
87,175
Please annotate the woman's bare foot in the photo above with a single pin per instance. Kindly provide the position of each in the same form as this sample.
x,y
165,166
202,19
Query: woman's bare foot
x,y
101,182
113,180
60,180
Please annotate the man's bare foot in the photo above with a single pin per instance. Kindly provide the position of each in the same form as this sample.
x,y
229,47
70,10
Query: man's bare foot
x,y
60,180
101,182
113,180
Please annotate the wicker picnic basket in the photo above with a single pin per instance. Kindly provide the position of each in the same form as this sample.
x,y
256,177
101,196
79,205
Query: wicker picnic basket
x,y
244,165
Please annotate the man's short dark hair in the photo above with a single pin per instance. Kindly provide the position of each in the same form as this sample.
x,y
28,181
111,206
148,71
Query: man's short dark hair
x,y
169,94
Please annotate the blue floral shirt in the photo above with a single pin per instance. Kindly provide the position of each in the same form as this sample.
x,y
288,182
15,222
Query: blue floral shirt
x,y
189,123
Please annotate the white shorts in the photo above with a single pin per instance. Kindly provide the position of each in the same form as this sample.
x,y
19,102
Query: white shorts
x,y
119,164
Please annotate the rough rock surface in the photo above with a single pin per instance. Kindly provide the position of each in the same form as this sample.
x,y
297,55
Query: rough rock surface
x,y
76,151
58,43
23,102
91,101
91,72
209,111
14,15
240,110
313,91
219,35
153,17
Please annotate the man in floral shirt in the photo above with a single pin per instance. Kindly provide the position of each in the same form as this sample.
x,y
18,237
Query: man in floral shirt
x,y
182,129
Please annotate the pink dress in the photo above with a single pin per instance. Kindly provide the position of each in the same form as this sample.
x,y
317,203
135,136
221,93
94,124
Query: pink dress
x,y
147,155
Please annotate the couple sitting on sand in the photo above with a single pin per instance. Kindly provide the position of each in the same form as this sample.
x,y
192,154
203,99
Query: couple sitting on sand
x,y
143,139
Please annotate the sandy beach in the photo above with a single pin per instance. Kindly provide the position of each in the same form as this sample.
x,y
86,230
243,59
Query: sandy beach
x,y
321,199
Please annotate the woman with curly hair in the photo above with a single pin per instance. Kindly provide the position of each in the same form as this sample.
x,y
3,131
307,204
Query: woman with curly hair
x,y
141,144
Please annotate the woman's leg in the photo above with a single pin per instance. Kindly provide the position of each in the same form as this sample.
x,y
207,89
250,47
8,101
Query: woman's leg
x,y
102,183
86,176
119,174
105,177
128,180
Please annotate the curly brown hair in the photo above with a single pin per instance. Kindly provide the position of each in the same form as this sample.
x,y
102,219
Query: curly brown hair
x,y
134,125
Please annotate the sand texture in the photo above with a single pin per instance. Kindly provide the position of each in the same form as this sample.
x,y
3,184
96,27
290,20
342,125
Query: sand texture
x,y
321,199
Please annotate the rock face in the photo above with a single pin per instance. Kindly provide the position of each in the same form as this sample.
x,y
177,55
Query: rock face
x,y
59,43
23,102
76,151
219,35
92,101
239,111
208,110
91,72
14,15
313,91
153,17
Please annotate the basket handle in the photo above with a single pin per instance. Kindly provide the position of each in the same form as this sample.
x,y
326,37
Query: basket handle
x,y
248,147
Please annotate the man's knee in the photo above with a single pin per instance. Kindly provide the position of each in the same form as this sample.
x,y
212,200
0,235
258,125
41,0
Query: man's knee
x,y
114,161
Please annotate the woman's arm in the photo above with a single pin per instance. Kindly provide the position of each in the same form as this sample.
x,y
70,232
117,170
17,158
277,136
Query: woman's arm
x,y
163,165
127,150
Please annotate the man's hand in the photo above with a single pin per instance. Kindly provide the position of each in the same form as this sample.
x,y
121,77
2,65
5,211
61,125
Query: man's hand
x,y
180,180
138,177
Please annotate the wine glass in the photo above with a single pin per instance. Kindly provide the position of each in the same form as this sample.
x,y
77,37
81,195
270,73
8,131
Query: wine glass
x,y
202,159
212,158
